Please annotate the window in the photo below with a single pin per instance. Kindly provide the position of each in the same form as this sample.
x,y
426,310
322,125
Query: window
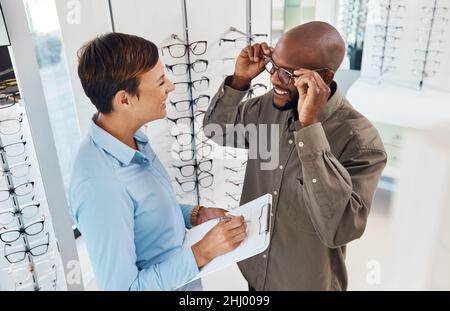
x,y
44,25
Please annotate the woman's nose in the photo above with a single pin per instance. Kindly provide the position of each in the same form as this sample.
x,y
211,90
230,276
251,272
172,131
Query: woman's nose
x,y
170,87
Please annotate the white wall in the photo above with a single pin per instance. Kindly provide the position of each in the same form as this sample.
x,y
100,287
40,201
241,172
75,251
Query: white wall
x,y
81,21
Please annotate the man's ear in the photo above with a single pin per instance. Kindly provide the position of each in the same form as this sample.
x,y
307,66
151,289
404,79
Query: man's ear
x,y
121,100
328,77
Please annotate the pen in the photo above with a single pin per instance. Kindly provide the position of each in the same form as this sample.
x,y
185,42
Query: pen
x,y
228,218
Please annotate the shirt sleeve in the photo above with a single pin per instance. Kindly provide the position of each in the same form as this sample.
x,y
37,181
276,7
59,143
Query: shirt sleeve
x,y
104,214
227,117
338,194
187,213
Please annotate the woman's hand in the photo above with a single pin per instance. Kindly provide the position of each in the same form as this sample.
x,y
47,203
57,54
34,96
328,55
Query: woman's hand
x,y
223,238
206,214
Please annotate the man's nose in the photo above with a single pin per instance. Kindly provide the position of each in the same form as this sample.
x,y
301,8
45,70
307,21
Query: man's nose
x,y
276,80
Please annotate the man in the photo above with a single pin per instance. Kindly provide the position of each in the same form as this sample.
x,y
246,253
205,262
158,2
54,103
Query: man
x,y
331,158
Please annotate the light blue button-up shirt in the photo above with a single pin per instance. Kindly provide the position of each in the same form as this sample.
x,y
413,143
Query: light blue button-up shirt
x,y
123,203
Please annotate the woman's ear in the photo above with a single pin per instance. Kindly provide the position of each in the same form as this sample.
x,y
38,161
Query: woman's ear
x,y
121,101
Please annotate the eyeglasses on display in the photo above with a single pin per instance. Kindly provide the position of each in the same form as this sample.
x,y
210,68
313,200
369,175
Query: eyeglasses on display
x,y
179,50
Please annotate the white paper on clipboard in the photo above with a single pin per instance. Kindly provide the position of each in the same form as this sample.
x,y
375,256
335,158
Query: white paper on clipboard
x,y
257,213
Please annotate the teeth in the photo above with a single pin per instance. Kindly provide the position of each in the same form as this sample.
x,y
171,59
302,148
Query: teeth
x,y
279,92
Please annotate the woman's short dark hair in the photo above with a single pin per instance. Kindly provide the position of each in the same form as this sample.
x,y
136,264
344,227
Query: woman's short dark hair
x,y
113,62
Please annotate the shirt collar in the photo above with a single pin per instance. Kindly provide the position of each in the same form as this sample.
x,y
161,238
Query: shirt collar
x,y
123,153
330,108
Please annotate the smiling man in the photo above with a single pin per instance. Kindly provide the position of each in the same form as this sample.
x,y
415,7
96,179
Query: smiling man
x,y
331,158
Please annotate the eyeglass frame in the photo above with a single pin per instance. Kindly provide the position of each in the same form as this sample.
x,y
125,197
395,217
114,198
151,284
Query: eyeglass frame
x,y
195,167
291,75
190,84
199,179
22,231
191,102
13,190
21,142
251,38
187,46
27,250
20,212
188,66
19,119
10,173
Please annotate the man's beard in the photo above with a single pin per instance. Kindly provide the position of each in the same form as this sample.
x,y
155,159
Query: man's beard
x,y
292,104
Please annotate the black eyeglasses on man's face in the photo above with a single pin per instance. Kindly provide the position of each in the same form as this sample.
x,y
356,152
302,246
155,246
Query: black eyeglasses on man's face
x,y
285,75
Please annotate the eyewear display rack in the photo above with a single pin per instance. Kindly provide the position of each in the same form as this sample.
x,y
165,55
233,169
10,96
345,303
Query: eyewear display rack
x,y
58,249
351,23
213,34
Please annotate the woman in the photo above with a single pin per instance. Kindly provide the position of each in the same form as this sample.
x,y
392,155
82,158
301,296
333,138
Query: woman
x,y
121,197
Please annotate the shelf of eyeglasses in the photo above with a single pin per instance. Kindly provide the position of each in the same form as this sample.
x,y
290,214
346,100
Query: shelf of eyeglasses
x,y
187,185
184,136
9,99
18,252
23,275
11,125
29,212
201,102
187,154
198,85
189,170
243,41
236,183
181,69
235,197
186,121
179,50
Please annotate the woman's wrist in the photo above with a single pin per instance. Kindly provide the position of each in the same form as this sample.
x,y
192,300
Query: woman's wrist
x,y
194,215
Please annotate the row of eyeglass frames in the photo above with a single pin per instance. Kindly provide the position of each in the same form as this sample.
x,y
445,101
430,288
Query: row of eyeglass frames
x,y
194,152
234,169
29,264
433,28
352,21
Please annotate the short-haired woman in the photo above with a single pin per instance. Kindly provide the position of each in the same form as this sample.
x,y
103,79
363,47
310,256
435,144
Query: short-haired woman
x,y
121,197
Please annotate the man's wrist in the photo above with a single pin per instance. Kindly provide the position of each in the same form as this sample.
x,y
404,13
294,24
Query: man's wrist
x,y
307,123
239,83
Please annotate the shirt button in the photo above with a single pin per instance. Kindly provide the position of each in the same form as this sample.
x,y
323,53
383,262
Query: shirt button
x,y
291,142
314,181
301,144
281,167
275,192
264,256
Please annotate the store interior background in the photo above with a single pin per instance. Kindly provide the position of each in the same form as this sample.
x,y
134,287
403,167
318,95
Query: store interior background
x,y
407,241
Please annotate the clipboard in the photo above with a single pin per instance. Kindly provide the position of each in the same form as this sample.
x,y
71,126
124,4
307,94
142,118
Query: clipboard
x,y
257,213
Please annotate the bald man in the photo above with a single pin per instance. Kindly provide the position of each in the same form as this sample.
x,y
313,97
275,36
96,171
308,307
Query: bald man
x,y
330,158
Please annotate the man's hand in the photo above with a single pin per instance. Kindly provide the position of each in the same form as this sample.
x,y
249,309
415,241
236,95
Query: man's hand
x,y
206,214
249,65
313,96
